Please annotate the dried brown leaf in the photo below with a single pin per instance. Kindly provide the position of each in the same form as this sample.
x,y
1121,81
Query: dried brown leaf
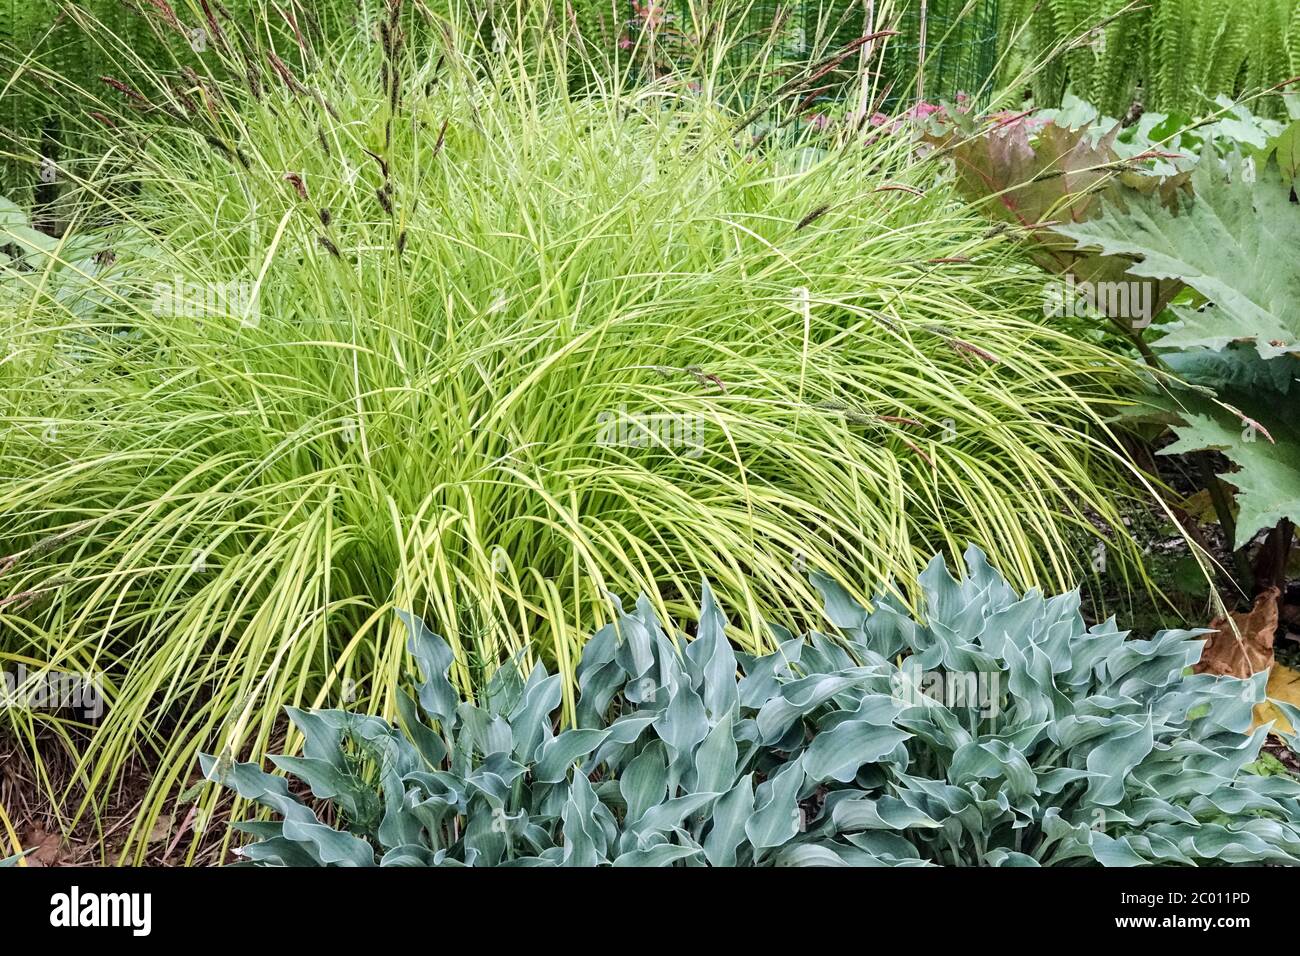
x,y
1249,648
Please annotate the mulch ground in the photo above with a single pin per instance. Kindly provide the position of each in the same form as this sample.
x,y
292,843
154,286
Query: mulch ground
x,y
98,836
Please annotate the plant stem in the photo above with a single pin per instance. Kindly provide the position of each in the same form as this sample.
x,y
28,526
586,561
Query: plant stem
x,y
1223,510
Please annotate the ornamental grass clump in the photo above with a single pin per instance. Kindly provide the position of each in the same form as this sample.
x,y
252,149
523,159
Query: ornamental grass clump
x,y
1067,745
430,326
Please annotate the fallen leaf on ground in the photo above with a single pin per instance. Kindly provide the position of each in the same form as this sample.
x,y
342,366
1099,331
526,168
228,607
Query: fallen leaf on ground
x,y
1249,648
162,829
1283,685
45,848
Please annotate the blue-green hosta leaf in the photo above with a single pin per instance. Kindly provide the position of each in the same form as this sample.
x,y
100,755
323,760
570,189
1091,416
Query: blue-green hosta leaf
x,y
885,813
1004,857
995,760
432,748
683,724
329,847
825,653
252,783
672,813
322,733
1111,851
531,716
504,688
1058,778
844,612
624,736
968,808
1215,703
1100,750
936,725
1111,761
883,848
1227,802
433,655
777,817
890,628
644,783
1031,685
665,854
353,796
1292,714
1229,759
277,851
558,754
409,854
1236,844
631,728
764,675
836,754
1091,654
1139,667
800,697
945,600
711,661
494,777
730,815
272,847
489,733
715,759
635,654
487,831
600,676
585,818
810,854
1072,730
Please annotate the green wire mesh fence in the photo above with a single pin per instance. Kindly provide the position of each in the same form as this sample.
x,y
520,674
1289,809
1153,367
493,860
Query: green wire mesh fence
x,y
956,43
46,54
943,50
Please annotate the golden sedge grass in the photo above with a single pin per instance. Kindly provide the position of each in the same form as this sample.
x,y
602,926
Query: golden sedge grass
x,y
499,351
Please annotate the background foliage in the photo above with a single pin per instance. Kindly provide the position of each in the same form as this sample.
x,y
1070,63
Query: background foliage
x,y
1169,55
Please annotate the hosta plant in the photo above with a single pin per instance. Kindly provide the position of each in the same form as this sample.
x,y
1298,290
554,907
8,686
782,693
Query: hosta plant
x,y
62,272
991,728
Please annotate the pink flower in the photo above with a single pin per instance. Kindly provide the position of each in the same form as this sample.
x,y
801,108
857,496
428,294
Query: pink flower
x,y
922,110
